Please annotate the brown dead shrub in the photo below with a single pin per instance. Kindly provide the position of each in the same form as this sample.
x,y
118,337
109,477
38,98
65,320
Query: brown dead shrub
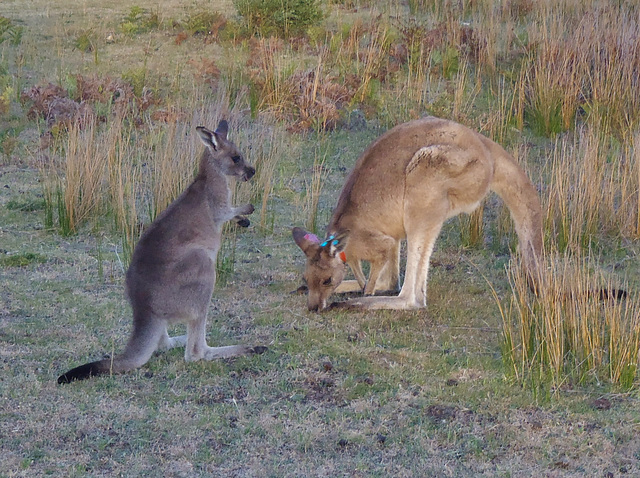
x,y
206,70
318,101
53,105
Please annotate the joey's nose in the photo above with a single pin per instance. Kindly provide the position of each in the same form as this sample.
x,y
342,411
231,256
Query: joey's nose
x,y
248,173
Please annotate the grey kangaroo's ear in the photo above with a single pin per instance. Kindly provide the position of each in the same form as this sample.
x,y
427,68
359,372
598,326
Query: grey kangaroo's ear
x,y
213,139
207,137
222,130
306,241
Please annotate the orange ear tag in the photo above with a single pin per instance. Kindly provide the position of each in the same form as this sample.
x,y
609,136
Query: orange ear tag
x,y
343,256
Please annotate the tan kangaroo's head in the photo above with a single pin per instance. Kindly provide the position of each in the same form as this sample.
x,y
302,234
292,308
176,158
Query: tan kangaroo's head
x,y
325,267
223,153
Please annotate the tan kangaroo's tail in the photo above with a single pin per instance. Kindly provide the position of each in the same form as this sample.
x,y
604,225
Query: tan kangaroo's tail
x,y
143,342
514,187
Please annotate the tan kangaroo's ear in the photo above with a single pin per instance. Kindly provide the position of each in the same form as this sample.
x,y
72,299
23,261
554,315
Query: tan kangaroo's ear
x,y
306,241
335,244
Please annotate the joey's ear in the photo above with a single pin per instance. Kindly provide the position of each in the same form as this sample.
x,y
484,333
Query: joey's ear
x,y
207,137
222,130
306,241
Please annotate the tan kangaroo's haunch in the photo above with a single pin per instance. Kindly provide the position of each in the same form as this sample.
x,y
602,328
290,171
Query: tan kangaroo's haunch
x,y
406,184
173,268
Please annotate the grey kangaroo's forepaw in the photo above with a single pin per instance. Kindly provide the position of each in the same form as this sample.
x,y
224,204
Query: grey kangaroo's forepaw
x,y
243,222
259,349
248,209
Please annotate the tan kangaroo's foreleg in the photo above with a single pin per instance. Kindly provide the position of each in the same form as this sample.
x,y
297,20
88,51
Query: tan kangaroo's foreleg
x,y
389,280
419,249
382,249
374,274
348,286
351,285
423,226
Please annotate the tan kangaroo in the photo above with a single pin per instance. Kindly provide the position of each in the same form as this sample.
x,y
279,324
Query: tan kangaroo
x,y
173,268
406,184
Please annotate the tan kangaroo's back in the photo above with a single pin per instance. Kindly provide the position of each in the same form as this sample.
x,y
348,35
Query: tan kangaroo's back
x,y
405,185
173,267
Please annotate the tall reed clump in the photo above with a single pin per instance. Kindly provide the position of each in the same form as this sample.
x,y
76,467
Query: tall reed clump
x,y
98,178
608,40
125,185
569,332
313,191
553,80
268,144
584,60
172,157
593,187
74,191
130,175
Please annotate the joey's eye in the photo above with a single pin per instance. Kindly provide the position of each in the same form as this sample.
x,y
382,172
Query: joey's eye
x,y
327,281
236,159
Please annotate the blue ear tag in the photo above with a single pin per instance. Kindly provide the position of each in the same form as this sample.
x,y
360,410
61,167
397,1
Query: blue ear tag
x,y
335,243
327,241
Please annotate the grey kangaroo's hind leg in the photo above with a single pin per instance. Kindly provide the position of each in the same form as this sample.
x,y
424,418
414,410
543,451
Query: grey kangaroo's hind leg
x,y
197,348
166,342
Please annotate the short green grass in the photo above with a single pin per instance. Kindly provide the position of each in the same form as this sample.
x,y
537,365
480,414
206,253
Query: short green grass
x,y
340,394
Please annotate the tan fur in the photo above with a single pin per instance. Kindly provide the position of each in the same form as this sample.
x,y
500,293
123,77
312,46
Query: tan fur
x,y
404,186
173,268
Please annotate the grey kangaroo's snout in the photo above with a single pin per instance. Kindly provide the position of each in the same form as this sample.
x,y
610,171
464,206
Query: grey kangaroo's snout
x,y
248,173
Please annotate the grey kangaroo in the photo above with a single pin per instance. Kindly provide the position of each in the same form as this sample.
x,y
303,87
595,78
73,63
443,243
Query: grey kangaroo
x,y
405,185
173,268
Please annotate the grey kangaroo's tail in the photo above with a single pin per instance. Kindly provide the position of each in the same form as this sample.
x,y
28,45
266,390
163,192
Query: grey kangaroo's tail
x,y
100,367
142,343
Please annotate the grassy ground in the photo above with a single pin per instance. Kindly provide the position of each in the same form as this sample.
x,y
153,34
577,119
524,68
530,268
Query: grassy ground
x,y
382,393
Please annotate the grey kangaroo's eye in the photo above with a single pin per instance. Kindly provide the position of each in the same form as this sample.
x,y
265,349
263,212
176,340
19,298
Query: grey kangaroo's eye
x,y
236,159
327,281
